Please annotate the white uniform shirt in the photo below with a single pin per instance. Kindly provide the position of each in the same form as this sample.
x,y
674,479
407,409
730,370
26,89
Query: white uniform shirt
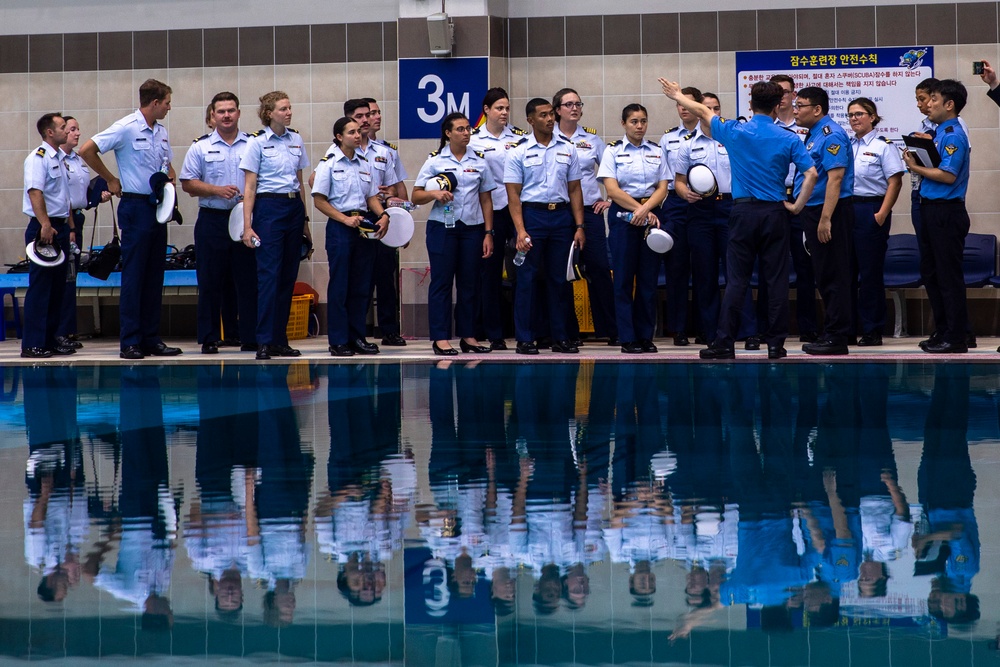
x,y
638,169
495,149
398,170
214,162
670,143
44,171
543,171
876,160
699,148
473,176
275,159
346,183
78,175
140,150
590,150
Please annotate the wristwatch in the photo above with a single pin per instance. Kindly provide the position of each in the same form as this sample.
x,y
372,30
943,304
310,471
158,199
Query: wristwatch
x,y
490,232
579,226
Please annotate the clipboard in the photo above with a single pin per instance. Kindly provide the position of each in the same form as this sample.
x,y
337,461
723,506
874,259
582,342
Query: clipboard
x,y
924,150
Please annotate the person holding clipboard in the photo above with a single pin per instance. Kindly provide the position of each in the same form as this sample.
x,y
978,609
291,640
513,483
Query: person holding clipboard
x,y
945,220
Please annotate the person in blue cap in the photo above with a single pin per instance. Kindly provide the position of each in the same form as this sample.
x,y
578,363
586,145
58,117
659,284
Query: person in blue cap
x,y
142,149
760,153
828,217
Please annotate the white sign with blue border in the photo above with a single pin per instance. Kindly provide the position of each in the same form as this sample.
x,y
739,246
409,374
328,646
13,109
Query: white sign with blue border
x,y
432,88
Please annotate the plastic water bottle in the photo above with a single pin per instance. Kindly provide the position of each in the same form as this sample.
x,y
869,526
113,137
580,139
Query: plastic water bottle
x,y
165,165
449,215
625,215
255,241
521,254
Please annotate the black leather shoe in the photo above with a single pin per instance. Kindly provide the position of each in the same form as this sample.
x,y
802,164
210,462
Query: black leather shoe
x,y
613,341
361,346
466,347
63,341
526,347
776,352
852,340
631,348
870,340
443,351
565,347
680,340
209,348
935,338
544,343
248,347
284,351
132,352
808,337
394,340
161,350
341,351
498,344
717,352
648,347
947,348
263,352
577,343
700,340
63,351
39,353
970,341
825,347
752,343
232,342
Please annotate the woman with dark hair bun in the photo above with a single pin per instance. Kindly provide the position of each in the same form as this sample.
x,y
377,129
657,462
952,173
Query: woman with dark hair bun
x,y
346,193
878,179
590,149
459,233
493,138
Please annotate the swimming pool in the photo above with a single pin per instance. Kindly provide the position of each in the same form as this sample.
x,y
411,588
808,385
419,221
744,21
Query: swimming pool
x,y
463,513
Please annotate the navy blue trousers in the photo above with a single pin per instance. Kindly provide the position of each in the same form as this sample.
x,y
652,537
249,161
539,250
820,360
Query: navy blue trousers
x,y
352,260
870,244
551,233
46,285
677,263
144,254
455,256
221,260
942,244
67,319
491,276
279,223
832,265
635,266
385,281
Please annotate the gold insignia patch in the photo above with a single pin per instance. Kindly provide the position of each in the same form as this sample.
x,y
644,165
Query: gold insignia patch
x,y
950,150
833,149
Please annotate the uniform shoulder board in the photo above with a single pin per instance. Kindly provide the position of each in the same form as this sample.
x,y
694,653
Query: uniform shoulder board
x,y
326,157
673,129
292,129
827,129
480,154
392,146
949,129
204,136
40,152
359,155
434,153
257,133
518,131
475,130
888,141
522,141
616,142
589,130
651,143
689,135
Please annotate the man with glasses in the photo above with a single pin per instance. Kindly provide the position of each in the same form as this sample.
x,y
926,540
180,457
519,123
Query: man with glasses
x,y
828,217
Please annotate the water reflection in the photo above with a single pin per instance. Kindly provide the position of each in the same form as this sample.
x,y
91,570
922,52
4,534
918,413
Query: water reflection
x,y
500,514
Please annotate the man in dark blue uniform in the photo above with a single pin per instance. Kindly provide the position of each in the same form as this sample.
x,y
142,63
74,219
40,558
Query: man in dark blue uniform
x,y
760,153
828,217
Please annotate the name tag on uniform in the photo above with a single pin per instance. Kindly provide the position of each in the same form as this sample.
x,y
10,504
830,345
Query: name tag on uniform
x,y
532,160
563,158
141,144
214,156
365,176
339,175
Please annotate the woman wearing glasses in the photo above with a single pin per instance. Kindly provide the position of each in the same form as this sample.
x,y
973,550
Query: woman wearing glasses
x,y
459,234
590,149
878,178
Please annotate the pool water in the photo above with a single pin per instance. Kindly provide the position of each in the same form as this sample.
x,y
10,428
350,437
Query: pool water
x,y
501,514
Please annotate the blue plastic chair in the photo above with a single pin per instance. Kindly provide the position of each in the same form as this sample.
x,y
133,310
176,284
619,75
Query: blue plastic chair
x,y
16,319
902,270
979,259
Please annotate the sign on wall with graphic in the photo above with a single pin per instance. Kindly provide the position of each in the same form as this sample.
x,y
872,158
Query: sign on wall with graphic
x,y
432,88
887,76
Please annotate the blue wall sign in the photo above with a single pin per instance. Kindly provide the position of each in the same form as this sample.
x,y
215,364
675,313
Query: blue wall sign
x,y
432,88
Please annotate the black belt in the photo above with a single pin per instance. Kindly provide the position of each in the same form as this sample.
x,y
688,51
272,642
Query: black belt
x,y
723,196
134,195
924,200
278,195
753,200
869,199
354,213
551,206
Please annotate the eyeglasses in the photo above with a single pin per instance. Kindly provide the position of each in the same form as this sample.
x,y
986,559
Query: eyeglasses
x,y
857,114
572,105
462,128
803,106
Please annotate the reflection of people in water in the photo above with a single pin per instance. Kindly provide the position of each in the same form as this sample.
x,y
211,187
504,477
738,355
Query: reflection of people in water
x,y
148,528
282,497
223,521
947,484
55,511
